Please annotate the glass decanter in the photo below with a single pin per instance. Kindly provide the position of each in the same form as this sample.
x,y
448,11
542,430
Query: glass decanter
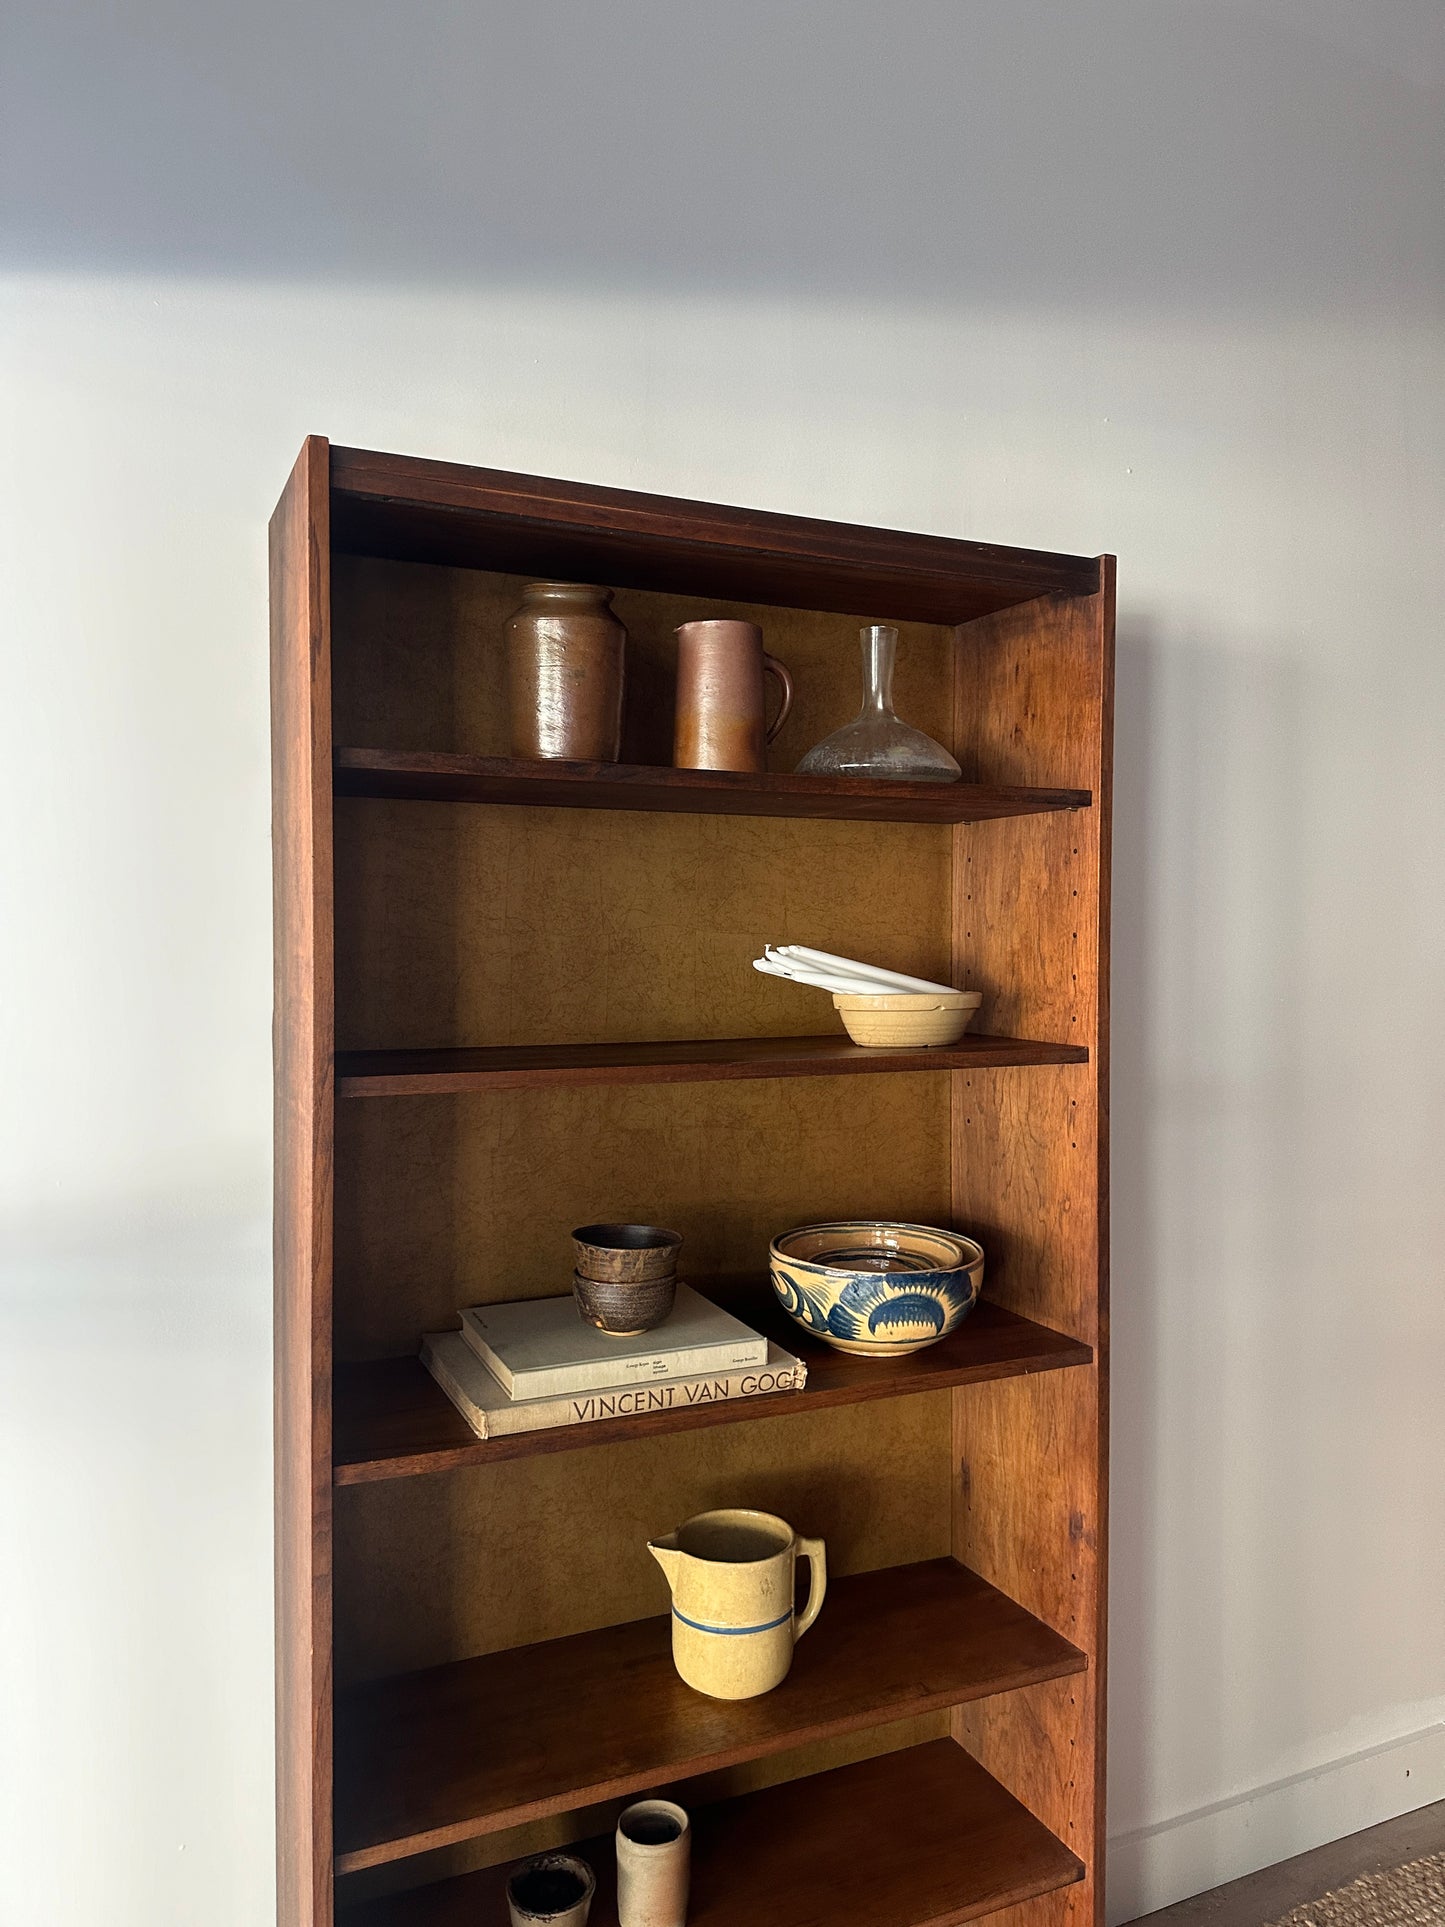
x,y
877,742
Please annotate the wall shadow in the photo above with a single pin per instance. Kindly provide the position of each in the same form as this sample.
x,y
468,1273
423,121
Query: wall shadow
x,y
851,150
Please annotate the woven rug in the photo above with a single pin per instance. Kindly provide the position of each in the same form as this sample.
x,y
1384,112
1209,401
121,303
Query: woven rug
x,y
1408,1896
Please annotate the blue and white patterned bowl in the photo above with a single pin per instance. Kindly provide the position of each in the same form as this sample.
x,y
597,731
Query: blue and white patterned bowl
x,y
874,1289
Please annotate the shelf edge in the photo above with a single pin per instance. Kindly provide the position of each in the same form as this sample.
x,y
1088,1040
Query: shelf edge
x,y
1067,1354
611,1780
456,777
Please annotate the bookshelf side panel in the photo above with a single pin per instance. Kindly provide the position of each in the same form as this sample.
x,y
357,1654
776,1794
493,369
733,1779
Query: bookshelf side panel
x,y
1030,1173
303,1046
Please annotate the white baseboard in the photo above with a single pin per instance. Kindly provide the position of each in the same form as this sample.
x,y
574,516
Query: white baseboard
x,y
1157,1865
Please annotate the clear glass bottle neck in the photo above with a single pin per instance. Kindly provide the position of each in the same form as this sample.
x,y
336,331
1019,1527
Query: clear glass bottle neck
x,y
880,646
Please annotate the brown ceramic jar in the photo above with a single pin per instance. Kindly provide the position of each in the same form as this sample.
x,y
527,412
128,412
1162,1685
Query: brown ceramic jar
x,y
565,651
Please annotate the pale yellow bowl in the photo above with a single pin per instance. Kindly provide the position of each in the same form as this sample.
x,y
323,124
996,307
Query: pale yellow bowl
x,y
906,1020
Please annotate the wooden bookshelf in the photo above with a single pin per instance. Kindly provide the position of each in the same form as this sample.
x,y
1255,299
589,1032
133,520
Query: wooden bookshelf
x,y
544,967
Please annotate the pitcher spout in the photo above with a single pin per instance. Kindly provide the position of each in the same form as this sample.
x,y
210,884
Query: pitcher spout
x,y
667,1553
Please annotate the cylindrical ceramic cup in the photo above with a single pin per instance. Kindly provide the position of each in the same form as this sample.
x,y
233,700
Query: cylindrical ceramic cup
x,y
720,718
552,1890
654,1855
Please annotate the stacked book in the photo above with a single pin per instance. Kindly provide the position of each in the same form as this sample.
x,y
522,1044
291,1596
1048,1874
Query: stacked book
x,y
525,1367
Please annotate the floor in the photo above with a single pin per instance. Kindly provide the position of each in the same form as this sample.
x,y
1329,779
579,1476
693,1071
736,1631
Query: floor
x,y
1263,1897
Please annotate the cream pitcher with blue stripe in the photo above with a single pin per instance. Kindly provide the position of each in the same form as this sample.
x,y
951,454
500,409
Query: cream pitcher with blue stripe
x,y
733,1623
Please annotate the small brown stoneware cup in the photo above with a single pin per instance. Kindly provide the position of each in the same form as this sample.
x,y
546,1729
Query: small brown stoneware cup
x,y
623,1309
721,721
553,1890
624,1254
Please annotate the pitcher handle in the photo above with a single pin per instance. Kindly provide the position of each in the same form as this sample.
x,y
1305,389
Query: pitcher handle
x,y
772,667
814,1551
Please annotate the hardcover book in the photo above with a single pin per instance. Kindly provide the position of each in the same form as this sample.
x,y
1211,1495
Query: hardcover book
x,y
544,1347
484,1404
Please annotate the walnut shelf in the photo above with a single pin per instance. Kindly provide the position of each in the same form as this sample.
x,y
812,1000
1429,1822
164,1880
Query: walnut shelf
x,y
520,1067
441,777
921,1838
890,1644
393,1420
401,509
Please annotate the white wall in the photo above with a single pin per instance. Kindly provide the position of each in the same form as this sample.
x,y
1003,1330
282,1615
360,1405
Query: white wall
x,y
1157,279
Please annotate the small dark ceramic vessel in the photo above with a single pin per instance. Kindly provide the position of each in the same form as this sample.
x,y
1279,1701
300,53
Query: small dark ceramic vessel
x,y
625,1253
625,1307
553,1890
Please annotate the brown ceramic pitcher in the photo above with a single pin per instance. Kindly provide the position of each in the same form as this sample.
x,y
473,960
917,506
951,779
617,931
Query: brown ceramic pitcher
x,y
565,653
721,719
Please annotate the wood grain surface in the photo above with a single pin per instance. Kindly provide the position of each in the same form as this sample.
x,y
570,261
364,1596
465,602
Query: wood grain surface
x,y
439,1756
436,1073
442,512
440,776
1031,914
301,839
922,1838
394,1421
